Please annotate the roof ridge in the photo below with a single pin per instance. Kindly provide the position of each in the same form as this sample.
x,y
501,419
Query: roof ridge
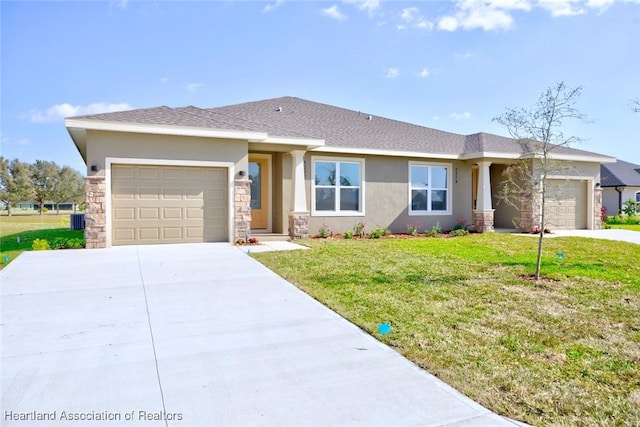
x,y
213,110
612,173
345,110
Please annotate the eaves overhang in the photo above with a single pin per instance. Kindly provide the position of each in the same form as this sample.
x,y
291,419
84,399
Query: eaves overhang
x,y
77,129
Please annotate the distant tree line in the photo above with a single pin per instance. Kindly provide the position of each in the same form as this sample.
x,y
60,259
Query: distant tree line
x,y
39,182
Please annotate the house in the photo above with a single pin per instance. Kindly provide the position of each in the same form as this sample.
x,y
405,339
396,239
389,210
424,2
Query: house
x,y
620,182
290,166
28,205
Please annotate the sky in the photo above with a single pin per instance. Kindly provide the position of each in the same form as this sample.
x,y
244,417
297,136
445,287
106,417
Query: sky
x,y
449,65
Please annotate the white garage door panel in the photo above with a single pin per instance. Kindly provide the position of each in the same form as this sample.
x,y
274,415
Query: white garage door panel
x,y
566,205
168,204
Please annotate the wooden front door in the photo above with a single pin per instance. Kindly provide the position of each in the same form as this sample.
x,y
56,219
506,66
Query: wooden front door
x,y
259,176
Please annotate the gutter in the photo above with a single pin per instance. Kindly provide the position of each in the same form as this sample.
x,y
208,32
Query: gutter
x,y
618,189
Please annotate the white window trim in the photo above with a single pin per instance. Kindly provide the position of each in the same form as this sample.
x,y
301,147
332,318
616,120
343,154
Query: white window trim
x,y
637,199
312,177
449,189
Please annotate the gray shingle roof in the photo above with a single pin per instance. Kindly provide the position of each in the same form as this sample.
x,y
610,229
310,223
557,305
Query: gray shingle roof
x,y
620,174
338,127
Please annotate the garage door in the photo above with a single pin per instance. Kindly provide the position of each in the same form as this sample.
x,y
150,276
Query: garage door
x,y
566,204
167,204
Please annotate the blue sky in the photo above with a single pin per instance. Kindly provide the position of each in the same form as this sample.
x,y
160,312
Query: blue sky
x,y
451,65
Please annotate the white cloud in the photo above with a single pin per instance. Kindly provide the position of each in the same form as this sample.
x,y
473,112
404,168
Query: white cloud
x,y
5,140
448,23
463,56
482,14
194,87
401,27
333,12
60,111
268,8
424,73
460,116
562,7
369,6
392,73
120,4
490,15
474,14
411,16
599,4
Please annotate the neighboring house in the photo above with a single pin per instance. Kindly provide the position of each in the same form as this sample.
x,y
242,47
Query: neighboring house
x,y
620,182
64,206
291,166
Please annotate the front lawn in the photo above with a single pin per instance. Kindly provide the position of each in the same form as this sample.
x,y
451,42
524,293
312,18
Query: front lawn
x,y
634,227
17,233
565,351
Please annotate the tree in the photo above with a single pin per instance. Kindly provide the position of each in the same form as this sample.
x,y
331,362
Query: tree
x,y
15,182
538,130
68,186
44,175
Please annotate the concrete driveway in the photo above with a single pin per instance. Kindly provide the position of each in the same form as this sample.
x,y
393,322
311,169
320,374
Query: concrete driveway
x,y
196,335
611,234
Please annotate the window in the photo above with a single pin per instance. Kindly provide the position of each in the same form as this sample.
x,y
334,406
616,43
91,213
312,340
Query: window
x,y
429,189
638,202
337,187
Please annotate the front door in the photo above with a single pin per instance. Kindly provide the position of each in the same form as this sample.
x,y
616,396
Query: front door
x,y
259,176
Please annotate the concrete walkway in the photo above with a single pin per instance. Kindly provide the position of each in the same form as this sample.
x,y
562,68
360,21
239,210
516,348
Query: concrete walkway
x,y
197,335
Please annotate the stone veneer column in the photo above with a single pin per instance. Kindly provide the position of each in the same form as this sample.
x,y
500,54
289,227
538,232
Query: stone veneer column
x,y
483,221
95,220
299,215
298,225
597,208
483,216
241,209
530,213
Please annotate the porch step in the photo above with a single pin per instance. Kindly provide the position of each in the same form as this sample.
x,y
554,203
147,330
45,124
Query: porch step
x,y
271,237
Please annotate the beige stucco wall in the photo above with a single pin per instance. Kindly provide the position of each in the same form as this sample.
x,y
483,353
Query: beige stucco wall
x,y
505,213
610,198
101,145
386,195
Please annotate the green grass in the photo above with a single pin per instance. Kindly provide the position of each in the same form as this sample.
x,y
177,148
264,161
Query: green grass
x,y
634,227
563,352
29,228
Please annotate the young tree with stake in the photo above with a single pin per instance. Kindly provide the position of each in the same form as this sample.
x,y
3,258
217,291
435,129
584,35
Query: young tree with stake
x,y
538,130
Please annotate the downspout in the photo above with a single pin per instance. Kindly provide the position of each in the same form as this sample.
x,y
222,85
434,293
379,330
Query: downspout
x,y
619,200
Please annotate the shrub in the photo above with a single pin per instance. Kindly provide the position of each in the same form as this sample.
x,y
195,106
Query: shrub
x,y
377,233
457,232
604,216
619,219
252,240
630,207
324,231
414,229
348,234
40,245
358,229
435,230
461,224
67,243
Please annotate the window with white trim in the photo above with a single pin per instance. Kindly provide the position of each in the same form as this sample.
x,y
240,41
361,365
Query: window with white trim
x,y
337,186
638,202
429,189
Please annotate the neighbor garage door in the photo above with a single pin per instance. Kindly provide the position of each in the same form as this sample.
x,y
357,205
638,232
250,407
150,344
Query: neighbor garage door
x,y
566,204
168,204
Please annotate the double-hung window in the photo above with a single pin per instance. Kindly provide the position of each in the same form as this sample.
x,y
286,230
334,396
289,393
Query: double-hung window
x,y
429,189
337,187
